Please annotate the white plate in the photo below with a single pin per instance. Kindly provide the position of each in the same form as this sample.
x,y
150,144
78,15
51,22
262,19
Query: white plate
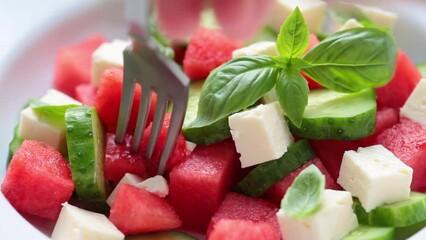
x,y
30,68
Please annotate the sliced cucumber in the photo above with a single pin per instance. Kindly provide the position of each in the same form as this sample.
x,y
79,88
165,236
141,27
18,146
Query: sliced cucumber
x,y
86,152
399,214
194,96
422,68
266,174
14,144
166,235
371,233
342,116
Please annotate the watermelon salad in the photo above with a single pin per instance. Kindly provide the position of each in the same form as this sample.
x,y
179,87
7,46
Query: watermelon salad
x,y
295,133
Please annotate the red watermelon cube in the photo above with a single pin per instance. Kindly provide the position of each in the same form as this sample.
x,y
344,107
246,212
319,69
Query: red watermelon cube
x,y
73,64
407,140
276,193
237,206
38,180
198,186
207,50
178,155
119,159
406,77
86,93
108,100
137,211
385,118
236,229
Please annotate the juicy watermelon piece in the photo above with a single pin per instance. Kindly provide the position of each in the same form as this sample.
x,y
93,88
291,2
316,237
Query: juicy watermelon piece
x,y
207,50
86,93
385,118
276,193
38,180
73,64
119,159
198,186
236,229
407,140
331,153
178,155
108,99
237,206
136,211
406,77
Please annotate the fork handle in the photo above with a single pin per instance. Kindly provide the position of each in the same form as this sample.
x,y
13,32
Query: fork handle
x,y
137,13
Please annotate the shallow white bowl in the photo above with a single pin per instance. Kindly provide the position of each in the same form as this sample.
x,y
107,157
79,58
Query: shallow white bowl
x,y
29,69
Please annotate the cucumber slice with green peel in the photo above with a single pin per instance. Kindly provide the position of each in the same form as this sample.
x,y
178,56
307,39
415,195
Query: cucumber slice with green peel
x,y
403,233
371,233
86,152
193,97
341,116
263,176
422,68
14,144
165,235
400,214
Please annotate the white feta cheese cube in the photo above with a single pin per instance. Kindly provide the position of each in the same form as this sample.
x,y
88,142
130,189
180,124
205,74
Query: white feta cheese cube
x,y
190,146
375,176
313,11
258,48
107,55
76,223
415,106
332,221
128,178
350,23
31,128
156,185
379,16
260,134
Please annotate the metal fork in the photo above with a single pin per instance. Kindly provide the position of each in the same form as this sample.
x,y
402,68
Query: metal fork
x,y
145,65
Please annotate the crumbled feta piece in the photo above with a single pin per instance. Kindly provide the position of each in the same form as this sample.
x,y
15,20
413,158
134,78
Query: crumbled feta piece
x,y
156,185
107,55
31,128
128,178
333,220
415,106
313,11
258,48
78,224
350,23
375,176
379,16
260,134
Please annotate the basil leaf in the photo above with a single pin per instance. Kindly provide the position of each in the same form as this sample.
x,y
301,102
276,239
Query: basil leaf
x,y
352,60
50,114
293,38
292,91
14,144
160,40
234,86
341,12
304,196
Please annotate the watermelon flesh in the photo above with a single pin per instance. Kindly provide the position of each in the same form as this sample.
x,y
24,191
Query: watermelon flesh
x,y
277,191
119,159
407,140
86,93
108,100
38,180
73,64
236,229
137,211
237,206
198,186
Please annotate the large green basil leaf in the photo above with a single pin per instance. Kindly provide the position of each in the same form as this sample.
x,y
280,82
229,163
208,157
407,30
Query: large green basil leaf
x,y
304,196
293,38
292,91
233,87
352,60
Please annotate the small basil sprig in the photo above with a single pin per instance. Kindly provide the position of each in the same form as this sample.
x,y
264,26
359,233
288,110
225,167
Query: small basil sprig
x,y
347,61
304,196
50,114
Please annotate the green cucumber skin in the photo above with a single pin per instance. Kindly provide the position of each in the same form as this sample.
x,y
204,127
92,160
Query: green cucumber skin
x,y
165,235
86,151
344,127
400,214
263,176
14,144
213,133
371,233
